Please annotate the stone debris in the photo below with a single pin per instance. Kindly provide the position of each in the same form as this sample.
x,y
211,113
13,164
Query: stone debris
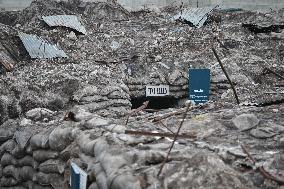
x,y
91,109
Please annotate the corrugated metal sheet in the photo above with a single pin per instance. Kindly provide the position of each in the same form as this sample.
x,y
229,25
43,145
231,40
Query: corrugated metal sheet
x,y
6,61
39,48
70,21
197,16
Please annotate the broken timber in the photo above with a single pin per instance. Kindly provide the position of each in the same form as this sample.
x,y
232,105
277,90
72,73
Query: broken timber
x,y
145,104
148,133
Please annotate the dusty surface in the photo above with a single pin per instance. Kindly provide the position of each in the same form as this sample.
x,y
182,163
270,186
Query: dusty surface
x,y
106,73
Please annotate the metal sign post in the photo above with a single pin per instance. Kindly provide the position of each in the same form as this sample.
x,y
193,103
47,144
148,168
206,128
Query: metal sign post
x,y
78,177
199,85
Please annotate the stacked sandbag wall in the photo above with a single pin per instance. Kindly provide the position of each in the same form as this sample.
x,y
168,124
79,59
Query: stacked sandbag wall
x,y
43,159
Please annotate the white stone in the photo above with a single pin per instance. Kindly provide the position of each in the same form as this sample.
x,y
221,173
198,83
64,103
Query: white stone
x,y
245,121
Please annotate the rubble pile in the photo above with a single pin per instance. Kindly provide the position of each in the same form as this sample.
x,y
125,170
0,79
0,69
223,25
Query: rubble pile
x,y
58,111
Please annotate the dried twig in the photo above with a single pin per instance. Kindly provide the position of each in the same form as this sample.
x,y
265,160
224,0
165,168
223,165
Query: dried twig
x,y
226,74
175,138
145,104
261,169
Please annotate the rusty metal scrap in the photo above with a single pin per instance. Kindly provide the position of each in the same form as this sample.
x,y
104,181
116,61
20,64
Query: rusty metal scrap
x,y
175,138
70,21
5,60
69,116
174,113
148,133
196,16
39,48
145,104
226,74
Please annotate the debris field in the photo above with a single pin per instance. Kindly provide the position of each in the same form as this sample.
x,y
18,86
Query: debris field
x,y
72,90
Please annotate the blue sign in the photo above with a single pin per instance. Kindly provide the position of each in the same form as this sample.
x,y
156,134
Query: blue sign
x,y
78,177
199,85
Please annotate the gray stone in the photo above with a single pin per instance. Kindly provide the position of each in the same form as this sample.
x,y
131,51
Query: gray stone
x,y
203,170
267,131
263,132
245,121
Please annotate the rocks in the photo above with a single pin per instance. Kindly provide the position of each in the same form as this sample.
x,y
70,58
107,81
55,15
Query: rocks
x,y
206,171
267,131
245,121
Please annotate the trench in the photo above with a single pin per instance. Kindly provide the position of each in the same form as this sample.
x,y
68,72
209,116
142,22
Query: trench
x,y
156,103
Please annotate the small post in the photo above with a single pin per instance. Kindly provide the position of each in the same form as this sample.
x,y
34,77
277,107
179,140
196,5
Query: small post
x,y
175,138
226,74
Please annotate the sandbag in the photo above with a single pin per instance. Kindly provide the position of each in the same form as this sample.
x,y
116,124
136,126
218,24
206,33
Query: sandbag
x,y
101,145
6,134
1,171
55,180
52,166
20,174
40,140
43,155
14,187
8,159
7,146
93,186
47,179
11,171
31,185
39,114
124,181
18,152
70,151
111,163
22,138
8,181
60,138
101,177
86,144
26,161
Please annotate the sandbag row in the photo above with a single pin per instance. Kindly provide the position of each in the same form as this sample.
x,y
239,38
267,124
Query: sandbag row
x,y
35,161
42,160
